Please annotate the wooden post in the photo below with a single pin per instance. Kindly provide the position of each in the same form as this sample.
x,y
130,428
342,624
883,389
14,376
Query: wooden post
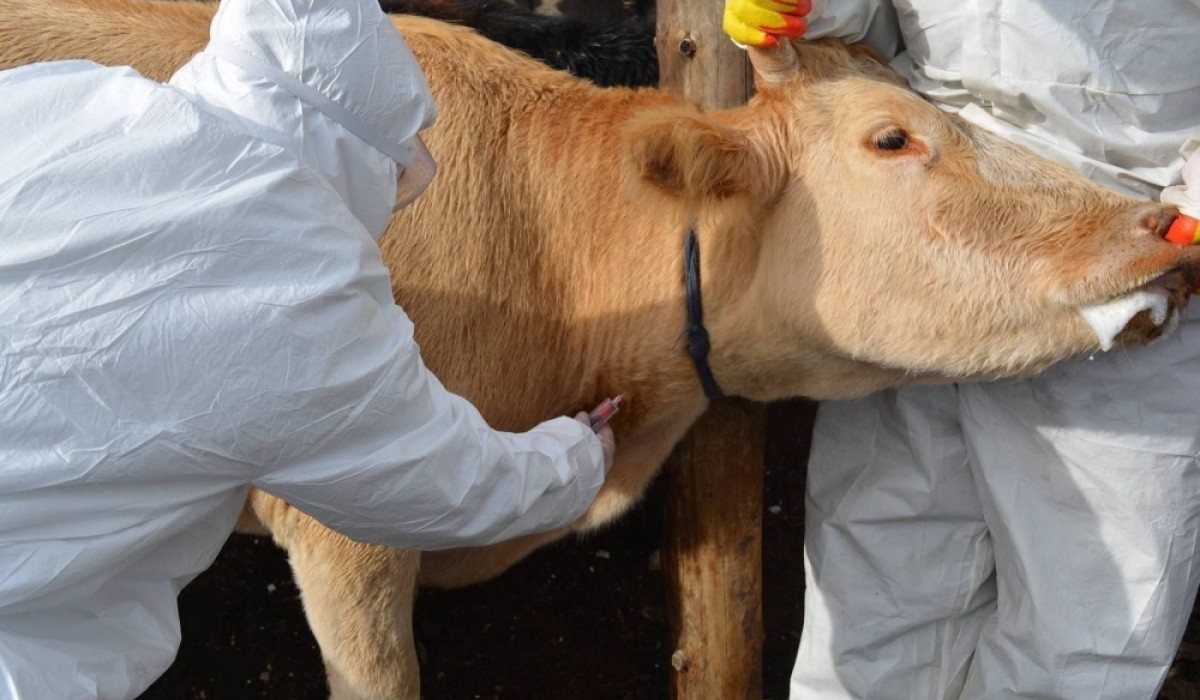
x,y
695,58
713,556
713,548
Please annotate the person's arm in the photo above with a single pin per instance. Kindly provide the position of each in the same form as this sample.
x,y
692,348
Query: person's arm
x,y
344,420
1184,230
407,463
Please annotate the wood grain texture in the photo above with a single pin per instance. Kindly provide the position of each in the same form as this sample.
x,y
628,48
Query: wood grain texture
x,y
713,548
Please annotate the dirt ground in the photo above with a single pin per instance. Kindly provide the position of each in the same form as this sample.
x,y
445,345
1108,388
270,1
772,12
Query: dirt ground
x,y
582,620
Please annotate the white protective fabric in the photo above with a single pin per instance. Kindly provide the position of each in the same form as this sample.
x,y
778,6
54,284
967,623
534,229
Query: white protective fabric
x,y
1186,196
194,301
1076,80
1022,539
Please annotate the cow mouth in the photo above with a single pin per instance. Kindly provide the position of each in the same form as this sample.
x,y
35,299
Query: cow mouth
x,y
1146,312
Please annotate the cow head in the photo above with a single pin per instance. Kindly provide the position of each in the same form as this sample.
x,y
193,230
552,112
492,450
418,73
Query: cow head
x,y
877,232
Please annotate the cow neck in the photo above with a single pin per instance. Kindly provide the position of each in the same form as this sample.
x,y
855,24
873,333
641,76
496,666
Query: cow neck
x,y
697,335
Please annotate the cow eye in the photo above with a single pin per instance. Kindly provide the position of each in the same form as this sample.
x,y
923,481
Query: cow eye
x,y
891,140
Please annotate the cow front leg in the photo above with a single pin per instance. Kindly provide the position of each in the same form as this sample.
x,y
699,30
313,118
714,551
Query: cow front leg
x,y
358,599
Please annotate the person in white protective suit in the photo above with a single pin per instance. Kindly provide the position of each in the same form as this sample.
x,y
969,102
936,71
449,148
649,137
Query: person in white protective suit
x,y
194,301
1018,539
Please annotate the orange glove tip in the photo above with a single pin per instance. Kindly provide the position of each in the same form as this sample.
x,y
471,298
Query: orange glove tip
x,y
794,27
1182,231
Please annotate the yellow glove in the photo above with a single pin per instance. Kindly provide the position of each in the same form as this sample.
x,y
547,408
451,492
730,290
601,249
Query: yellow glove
x,y
761,22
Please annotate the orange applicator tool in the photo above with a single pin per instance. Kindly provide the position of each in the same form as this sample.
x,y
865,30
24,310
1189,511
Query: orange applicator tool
x,y
1183,230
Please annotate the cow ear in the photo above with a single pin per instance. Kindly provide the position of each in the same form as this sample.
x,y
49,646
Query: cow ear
x,y
691,156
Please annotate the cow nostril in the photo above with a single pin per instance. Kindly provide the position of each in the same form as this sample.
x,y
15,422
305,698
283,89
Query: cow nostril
x,y
1158,222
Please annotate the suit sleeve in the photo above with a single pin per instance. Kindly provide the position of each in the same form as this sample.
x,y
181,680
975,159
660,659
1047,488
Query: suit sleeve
x,y
872,22
349,425
410,464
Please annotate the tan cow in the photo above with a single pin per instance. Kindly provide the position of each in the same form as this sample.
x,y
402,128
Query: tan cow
x,y
853,237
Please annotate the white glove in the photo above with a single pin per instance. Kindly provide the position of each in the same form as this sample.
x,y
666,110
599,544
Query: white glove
x,y
1186,197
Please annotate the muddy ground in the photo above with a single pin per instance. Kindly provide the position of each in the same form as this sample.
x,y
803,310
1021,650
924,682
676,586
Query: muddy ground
x,y
582,620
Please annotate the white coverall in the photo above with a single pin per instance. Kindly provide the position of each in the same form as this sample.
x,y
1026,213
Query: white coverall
x,y
1020,539
194,301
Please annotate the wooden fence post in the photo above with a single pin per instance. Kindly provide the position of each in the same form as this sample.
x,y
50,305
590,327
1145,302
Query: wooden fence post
x,y
713,547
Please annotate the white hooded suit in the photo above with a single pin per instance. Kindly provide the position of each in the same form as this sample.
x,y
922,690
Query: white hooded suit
x,y
194,302
1019,539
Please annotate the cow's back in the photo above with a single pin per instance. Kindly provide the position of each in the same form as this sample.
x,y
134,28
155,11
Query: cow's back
x,y
153,37
486,261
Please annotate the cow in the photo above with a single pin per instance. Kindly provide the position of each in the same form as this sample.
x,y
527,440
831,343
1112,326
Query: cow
x,y
850,237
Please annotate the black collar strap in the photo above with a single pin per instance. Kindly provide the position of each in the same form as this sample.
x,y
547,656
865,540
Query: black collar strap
x,y
697,334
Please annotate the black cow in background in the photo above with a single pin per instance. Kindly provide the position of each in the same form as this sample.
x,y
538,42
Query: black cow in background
x,y
611,44
592,10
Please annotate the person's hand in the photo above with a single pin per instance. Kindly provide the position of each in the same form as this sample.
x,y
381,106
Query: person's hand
x,y
761,22
607,440
1186,198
